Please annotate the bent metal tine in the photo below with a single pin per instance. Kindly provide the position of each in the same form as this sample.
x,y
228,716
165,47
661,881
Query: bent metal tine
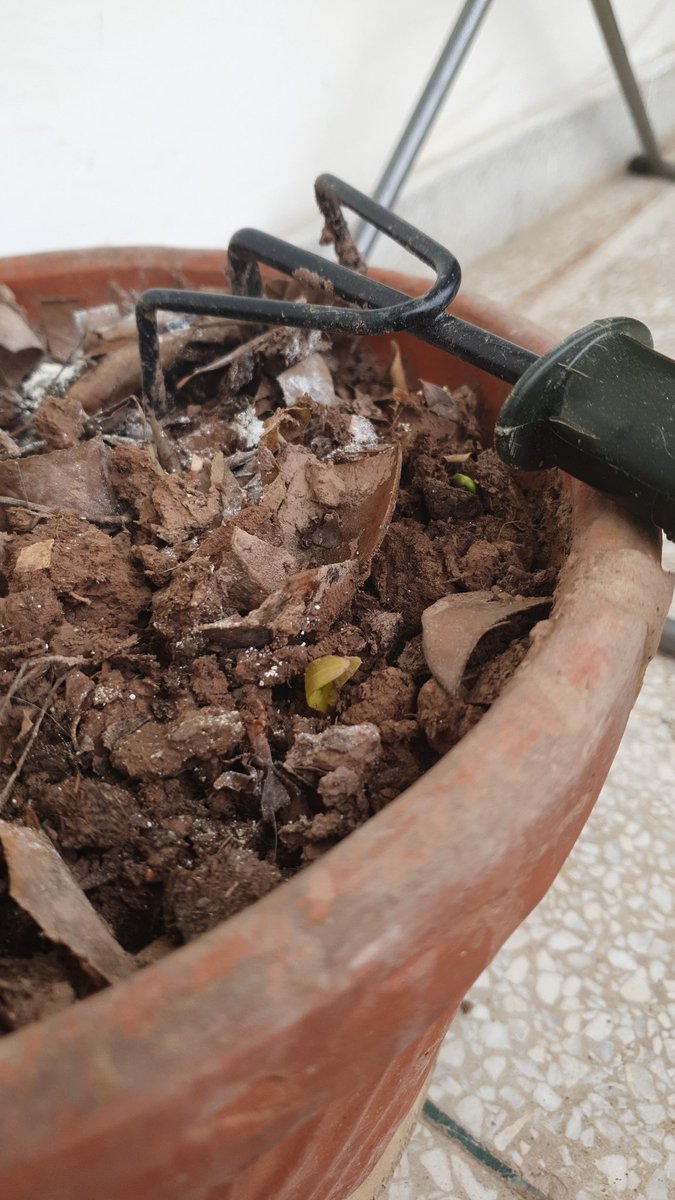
x,y
383,310
499,357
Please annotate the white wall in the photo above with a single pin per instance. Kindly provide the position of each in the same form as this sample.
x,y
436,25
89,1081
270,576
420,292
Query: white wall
x,y
170,121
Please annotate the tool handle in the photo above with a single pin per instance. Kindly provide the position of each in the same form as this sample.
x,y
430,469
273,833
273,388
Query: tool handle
x,y
601,406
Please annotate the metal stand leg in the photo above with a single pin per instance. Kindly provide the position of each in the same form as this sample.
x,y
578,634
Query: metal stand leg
x,y
443,76
652,161
426,109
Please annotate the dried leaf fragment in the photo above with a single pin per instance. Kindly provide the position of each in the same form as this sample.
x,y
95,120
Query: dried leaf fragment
x,y
453,627
360,495
274,796
76,478
117,374
324,676
41,884
20,348
286,425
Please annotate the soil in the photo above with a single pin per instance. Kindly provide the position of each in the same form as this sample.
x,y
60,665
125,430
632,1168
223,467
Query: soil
x,y
165,583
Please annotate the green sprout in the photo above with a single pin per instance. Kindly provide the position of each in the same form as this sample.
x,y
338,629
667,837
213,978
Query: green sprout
x,y
464,481
324,676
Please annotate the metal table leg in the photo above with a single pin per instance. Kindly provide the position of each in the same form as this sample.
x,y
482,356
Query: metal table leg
x,y
443,76
424,113
652,161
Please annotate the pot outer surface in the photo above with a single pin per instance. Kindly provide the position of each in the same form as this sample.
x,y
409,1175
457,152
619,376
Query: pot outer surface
x,y
278,1055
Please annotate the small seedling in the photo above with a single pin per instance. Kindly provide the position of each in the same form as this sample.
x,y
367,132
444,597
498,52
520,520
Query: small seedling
x,y
464,481
324,677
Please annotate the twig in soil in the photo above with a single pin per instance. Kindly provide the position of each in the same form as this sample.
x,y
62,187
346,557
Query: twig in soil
x,y
32,704
225,359
47,511
34,447
14,686
16,502
15,649
40,663
9,786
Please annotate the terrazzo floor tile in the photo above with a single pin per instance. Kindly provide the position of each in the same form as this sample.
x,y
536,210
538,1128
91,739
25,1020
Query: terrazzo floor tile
x,y
564,1066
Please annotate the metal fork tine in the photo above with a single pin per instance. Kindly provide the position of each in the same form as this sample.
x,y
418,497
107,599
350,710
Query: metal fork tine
x,y
252,245
381,309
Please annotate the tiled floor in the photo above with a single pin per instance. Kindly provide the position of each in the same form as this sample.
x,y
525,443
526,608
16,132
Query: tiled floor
x,y
559,1083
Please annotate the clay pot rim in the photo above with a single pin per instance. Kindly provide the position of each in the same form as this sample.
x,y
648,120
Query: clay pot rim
x,y
461,855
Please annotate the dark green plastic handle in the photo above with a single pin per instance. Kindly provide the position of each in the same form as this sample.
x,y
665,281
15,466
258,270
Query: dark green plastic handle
x,y
601,406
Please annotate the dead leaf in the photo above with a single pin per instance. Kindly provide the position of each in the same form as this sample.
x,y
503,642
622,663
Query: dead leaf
x,y
310,602
453,627
337,513
41,884
223,478
118,374
457,459
457,407
62,331
36,557
76,478
440,401
111,379
20,347
274,796
107,327
310,377
286,425
333,511
235,781
26,727
258,343
165,448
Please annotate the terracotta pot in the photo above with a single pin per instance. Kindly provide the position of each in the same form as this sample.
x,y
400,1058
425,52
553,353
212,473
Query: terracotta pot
x,y
279,1055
